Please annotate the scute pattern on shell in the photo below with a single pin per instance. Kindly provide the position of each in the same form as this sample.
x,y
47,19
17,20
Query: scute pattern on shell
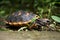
x,y
20,16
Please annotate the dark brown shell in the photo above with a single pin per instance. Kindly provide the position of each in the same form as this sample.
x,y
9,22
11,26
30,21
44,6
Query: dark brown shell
x,y
20,17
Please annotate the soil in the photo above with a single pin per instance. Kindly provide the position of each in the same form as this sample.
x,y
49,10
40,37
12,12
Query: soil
x,y
29,35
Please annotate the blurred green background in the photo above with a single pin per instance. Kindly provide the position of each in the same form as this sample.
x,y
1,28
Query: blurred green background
x,y
40,7
43,8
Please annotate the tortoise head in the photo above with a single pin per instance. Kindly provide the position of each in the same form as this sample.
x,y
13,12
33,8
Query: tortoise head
x,y
43,22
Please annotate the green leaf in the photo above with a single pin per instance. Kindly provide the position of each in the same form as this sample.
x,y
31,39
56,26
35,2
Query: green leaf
x,y
2,12
55,18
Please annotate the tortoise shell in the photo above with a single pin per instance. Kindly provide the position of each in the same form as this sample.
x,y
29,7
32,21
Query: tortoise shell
x,y
20,17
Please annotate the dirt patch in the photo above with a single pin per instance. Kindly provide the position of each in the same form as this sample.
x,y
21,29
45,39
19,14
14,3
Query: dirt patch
x,y
29,35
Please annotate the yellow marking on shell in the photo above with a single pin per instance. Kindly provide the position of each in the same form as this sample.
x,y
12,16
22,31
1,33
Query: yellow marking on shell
x,y
14,23
23,22
19,13
27,22
18,23
27,14
10,23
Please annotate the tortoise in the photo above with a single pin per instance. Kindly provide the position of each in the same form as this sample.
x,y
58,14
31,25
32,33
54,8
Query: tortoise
x,y
21,18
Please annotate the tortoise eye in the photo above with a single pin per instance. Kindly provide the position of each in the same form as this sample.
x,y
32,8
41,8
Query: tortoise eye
x,y
37,16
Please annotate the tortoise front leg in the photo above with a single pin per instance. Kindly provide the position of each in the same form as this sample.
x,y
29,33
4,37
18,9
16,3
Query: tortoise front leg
x,y
33,26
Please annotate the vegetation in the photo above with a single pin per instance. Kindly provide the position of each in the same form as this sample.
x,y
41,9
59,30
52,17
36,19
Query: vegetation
x,y
43,8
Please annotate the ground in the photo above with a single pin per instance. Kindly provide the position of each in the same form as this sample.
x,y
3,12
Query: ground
x,y
30,35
